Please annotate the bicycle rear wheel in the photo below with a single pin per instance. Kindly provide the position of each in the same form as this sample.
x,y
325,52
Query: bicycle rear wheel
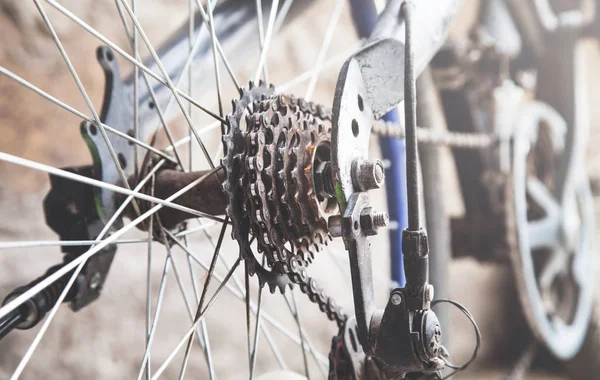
x,y
197,267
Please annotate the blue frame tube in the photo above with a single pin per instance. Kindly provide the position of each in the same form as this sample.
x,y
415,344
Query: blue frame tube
x,y
364,15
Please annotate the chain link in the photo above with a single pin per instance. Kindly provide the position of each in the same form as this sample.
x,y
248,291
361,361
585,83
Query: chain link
x,y
427,136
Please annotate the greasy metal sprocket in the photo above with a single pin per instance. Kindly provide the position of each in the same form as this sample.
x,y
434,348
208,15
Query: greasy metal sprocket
x,y
270,145
234,150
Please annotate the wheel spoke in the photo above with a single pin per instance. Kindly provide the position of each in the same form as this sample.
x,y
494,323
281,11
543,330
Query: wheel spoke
x,y
241,295
87,99
247,296
256,333
208,21
132,36
169,83
305,342
307,75
135,99
72,279
261,36
213,38
150,338
61,243
282,14
296,316
127,56
265,47
209,276
207,351
12,305
191,19
184,295
149,290
189,231
77,113
197,321
93,182
333,22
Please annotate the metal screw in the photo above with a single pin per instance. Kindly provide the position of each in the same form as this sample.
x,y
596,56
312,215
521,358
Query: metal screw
x,y
381,219
396,299
371,221
367,174
429,291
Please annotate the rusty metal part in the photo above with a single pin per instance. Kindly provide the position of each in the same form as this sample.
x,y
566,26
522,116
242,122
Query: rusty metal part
x,y
234,147
281,143
286,214
270,144
207,197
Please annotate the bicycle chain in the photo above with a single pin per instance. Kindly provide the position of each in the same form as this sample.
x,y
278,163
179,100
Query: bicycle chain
x,y
463,140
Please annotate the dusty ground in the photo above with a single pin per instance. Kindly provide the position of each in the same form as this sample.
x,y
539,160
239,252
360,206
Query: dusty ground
x,y
106,339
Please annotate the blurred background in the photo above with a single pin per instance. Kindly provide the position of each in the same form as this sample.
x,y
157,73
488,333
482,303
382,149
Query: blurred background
x,y
106,339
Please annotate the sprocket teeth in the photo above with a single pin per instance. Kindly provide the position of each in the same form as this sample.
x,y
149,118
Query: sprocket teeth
x,y
268,166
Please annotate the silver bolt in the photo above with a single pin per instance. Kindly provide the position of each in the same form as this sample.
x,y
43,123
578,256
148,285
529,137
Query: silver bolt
x,y
429,291
381,219
396,299
95,281
367,174
371,221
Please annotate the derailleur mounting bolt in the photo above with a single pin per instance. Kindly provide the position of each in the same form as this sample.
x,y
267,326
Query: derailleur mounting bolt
x,y
371,221
368,174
